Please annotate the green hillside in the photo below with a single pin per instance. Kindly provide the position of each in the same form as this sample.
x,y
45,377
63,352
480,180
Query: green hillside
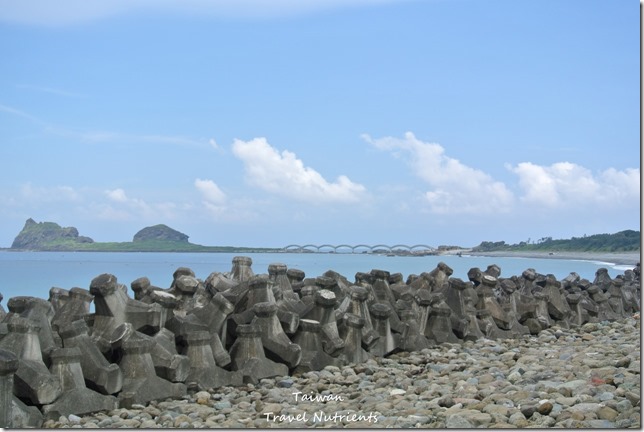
x,y
623,241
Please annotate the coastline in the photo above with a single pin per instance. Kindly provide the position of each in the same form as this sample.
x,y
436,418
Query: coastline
x,y
617,258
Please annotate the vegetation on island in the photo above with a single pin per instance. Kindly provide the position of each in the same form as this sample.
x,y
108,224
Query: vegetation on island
x,y
623,241
49,236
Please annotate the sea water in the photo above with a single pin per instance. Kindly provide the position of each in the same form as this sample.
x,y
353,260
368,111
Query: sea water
x,y
35,273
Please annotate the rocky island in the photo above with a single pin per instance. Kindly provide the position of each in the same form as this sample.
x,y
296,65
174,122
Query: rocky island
x,y
49,236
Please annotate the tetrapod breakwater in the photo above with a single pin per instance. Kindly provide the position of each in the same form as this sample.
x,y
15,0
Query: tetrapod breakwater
x,y
240,330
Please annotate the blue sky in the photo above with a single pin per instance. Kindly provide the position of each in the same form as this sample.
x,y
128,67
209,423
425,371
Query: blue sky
x,y
258,123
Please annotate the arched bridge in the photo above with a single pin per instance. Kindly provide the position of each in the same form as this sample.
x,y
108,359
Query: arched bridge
x,y
360,248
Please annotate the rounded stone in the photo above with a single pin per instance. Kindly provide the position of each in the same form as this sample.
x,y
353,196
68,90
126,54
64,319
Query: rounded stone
x,y
544,408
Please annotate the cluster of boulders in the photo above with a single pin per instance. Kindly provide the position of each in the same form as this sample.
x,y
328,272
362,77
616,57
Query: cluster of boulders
x,y
58,359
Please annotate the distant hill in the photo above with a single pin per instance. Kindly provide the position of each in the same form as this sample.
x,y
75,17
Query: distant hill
x,y
623,241
49,236
160,232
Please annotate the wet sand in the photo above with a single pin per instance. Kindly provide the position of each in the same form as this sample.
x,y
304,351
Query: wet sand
x,y
617,258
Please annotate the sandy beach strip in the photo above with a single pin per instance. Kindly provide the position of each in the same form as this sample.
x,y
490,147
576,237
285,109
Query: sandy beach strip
x,y
617,258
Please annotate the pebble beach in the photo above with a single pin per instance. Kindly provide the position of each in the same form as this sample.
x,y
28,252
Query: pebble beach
x,y
585,377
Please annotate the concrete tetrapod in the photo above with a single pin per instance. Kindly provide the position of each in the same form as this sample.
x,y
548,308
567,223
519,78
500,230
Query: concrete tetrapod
x,y
76,307
356,303
39,312
387,342
204,372
241,270
413,340
248,356
76,397
32,380
353,351
439,324
313,356
463,318
168,363
100,375
324,313
274,323
114,308
274,340
141,384
13,412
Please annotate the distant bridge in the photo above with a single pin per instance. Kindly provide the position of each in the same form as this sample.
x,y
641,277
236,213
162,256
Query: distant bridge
x,y
361,248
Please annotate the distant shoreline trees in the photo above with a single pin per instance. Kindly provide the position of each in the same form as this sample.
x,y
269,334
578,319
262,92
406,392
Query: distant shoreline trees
x,y
623,241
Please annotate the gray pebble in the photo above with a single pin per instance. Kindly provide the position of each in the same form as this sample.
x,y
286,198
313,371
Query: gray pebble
x,y
551,380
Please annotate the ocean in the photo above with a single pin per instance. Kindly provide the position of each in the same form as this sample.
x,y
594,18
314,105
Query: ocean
x,y
35,273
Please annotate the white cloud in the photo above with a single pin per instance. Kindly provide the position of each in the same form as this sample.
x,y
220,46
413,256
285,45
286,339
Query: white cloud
x,y
109,213
213,143
65,12
211,193
454,186
563,184
37,194
284,174
122,207
117,195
